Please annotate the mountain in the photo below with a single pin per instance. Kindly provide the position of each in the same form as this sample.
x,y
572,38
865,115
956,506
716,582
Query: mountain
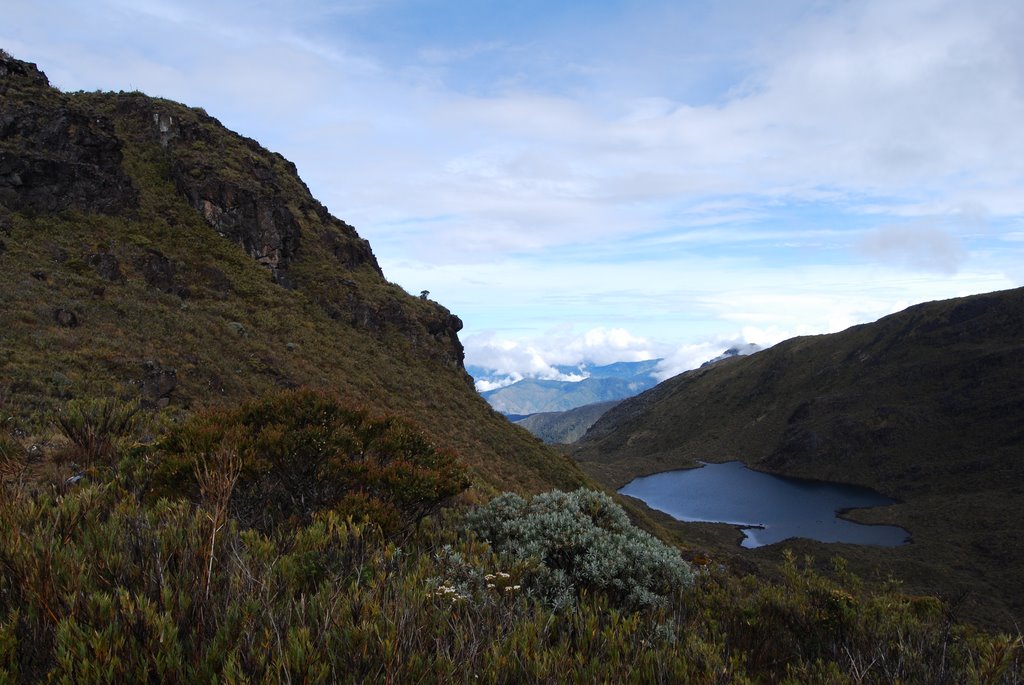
x,y
568,426
565,427
739,350
147,252
926,406
601,384
625,370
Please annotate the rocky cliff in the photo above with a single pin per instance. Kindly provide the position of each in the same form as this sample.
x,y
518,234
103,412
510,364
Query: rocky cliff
x,y
55,155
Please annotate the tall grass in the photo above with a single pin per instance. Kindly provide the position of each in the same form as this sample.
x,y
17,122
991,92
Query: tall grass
x,y
94,428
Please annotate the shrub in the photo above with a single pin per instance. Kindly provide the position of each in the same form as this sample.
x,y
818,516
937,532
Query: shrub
x,y
13,465
94,427
582,540
305,451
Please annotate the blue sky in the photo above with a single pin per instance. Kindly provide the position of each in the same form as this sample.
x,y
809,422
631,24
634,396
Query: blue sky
x,y
612,180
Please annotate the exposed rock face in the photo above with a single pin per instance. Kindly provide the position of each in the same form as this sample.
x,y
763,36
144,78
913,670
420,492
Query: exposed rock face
x,y
270,212
253,207
347,248
107,266
12,70
55,158
435,334
262,225
158,272
157,384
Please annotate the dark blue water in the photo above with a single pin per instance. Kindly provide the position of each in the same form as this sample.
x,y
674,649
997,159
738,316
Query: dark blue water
x,y
767,508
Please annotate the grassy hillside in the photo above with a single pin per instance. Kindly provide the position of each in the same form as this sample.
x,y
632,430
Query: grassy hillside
x,y
926,406
147,252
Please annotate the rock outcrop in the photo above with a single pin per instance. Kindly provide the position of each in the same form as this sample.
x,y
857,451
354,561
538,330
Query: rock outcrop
x,y
55,155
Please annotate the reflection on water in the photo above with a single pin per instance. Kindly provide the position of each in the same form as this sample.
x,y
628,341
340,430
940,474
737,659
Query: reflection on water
x,y
767,508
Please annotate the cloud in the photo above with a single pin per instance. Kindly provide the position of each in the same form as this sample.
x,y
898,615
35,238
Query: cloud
x,y
692,355
908,100
919,246
707,168
536,356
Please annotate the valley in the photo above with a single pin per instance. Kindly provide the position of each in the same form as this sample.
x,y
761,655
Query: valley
x,y
923,406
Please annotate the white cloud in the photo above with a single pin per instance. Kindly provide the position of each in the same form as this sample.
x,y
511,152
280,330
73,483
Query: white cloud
x,y
860,99
619,187
692,355
919,246
536,356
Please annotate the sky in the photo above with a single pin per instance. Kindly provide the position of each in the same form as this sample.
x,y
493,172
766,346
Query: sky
x,y
611,180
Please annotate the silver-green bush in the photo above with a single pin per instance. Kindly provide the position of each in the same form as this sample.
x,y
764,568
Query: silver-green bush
x,y
581,540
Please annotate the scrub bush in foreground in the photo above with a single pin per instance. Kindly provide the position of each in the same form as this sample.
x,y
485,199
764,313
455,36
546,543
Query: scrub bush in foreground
x,y
99,585
582,541
305,451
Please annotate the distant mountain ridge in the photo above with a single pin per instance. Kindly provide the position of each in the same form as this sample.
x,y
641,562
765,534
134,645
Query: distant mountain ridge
x,y
735,351
603,383
565,427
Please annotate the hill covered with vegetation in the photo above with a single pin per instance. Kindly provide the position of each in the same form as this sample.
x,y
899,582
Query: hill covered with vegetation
x,y
232,452
146,252
925,406
565,427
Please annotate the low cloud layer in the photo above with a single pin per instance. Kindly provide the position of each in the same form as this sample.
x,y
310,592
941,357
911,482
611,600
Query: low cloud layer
x,y
537,357
512,361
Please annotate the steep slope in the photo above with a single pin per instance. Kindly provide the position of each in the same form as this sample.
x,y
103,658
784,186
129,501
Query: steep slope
x,y
926,406
565,427
146,251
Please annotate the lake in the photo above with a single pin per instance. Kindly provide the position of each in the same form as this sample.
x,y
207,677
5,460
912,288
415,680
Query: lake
x,y
767,508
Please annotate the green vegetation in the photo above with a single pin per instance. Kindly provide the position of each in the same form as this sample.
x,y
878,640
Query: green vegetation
x,y
565,427
924,406
94,427
294,454
583,541
103,583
